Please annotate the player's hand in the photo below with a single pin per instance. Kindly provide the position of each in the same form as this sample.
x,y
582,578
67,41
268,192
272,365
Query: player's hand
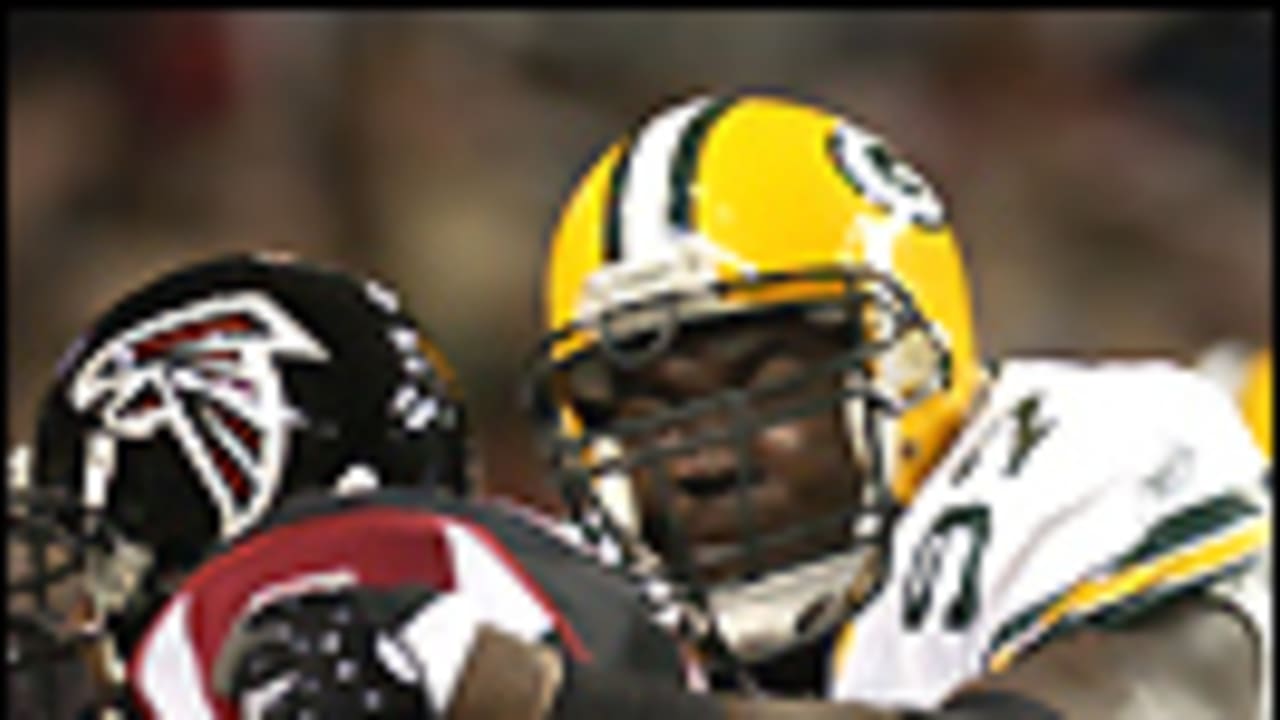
x,y
340,654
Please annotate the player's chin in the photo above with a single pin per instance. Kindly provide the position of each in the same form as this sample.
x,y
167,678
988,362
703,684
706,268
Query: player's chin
x,y
734,562
726,545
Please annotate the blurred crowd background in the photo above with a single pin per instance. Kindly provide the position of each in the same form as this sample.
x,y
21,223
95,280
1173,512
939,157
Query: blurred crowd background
x,y
1108,172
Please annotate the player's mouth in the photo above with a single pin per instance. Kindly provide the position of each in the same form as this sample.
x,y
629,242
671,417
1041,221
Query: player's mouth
x,y
726,510
709,487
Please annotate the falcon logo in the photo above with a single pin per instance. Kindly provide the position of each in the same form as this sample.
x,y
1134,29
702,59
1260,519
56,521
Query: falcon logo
x,y
206,374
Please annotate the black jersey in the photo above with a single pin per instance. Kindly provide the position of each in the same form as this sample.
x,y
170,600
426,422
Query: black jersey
x,y
521,577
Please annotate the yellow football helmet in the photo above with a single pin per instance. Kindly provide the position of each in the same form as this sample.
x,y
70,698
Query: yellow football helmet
x,y
746,206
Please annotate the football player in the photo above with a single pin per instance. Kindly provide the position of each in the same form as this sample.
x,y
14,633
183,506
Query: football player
x,y
765,387
761,368
177,428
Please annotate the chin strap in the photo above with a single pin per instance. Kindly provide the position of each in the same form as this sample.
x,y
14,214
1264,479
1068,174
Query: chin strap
x,y
788,607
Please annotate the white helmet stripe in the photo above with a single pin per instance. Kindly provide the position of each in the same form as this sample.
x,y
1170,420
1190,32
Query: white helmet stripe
x,y
646,229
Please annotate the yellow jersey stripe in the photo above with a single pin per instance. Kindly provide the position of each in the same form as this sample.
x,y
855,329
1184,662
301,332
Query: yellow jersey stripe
x,y
843,647
1091,595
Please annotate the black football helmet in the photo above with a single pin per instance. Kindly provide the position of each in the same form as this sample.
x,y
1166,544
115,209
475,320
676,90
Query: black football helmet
x,y
196,404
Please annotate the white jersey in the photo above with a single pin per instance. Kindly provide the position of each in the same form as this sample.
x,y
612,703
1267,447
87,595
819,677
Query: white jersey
x,y
1076,496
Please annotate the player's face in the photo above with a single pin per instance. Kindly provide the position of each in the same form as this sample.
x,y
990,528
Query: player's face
x,y
742,467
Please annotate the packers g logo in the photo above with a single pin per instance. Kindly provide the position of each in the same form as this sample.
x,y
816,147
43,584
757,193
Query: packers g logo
x,y
206,374
883,178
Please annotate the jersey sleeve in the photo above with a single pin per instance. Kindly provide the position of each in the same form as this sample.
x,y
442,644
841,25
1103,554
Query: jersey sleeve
x,y
1171,508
